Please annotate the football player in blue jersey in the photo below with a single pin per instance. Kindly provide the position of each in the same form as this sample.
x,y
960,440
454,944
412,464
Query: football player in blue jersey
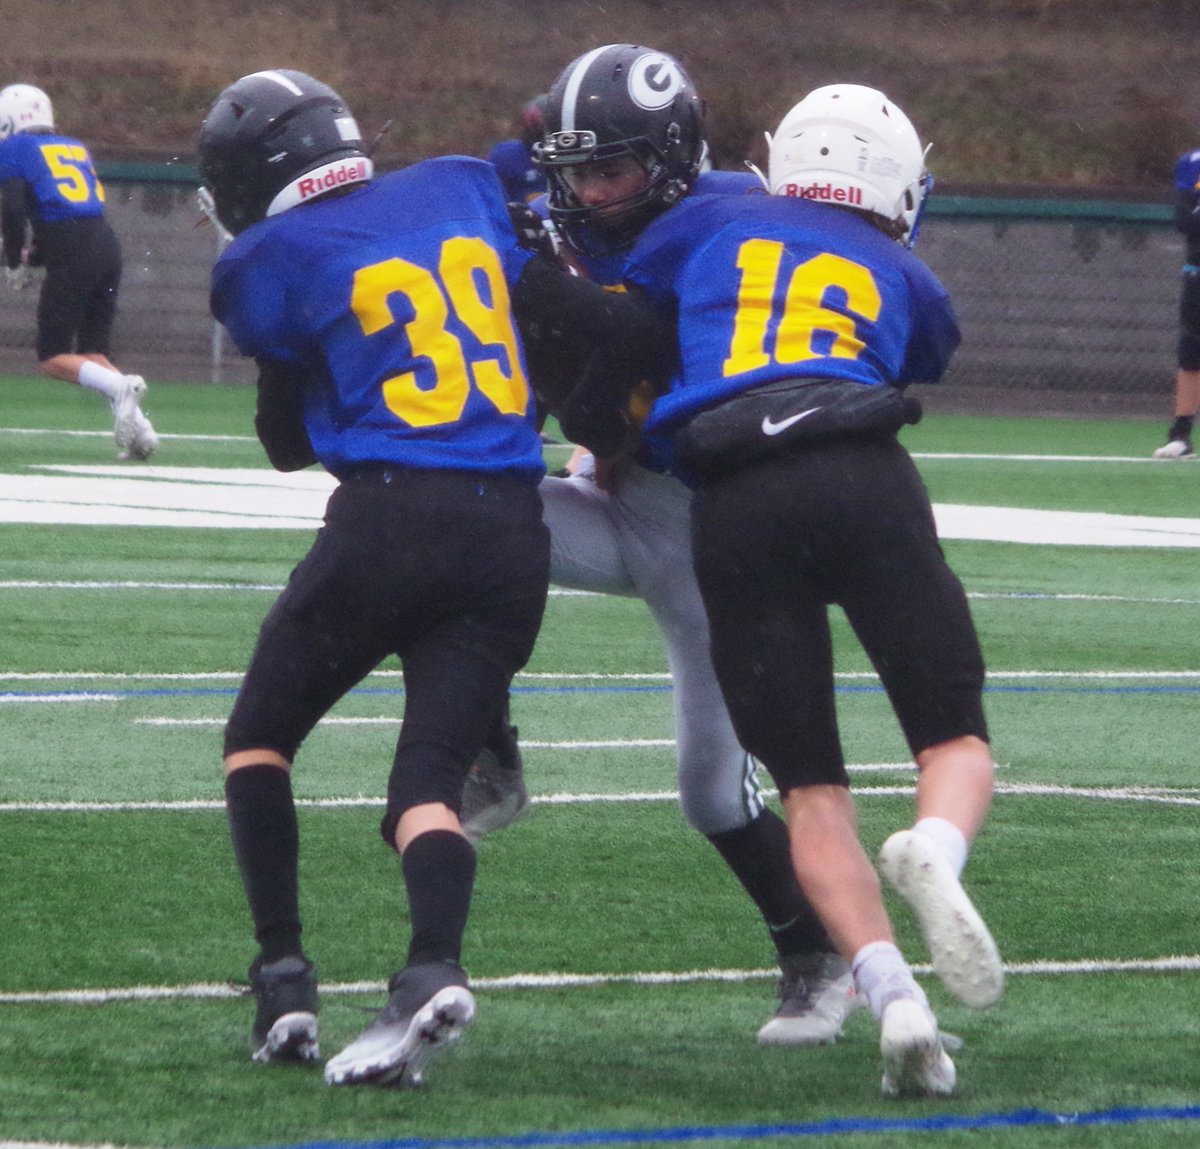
x,y
1187,375
380,312
624,143
801,317
513,158
50,189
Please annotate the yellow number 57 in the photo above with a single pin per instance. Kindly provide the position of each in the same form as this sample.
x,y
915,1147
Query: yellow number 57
x,y
72,170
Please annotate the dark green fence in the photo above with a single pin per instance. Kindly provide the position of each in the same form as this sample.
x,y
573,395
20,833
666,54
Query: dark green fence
x,y
1065,305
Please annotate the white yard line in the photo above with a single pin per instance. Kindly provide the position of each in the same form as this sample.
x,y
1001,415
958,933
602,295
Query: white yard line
x,y
569,676
555,592
245,498
222,991
1163,795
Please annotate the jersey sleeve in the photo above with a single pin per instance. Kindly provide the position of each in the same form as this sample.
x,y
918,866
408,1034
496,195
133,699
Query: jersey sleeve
x,y
934,334
14,219
9,162
249,298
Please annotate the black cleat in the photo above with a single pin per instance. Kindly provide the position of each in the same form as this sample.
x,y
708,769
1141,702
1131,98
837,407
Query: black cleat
x,y
285,1026
429,1008
494,794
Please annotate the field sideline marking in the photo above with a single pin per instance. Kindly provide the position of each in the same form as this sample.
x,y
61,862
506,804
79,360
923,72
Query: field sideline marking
x,y
985,456
80,584
226,990
1163,795
555,591
673,1135
557,676
156,495
108,435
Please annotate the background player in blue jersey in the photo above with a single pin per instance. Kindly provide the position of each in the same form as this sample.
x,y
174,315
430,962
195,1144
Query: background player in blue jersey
x,y
50,189
799,318
1187,376
513,158
379,313
624,143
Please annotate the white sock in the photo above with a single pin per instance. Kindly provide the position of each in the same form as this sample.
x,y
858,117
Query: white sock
x,y
882,975
100,379
948,838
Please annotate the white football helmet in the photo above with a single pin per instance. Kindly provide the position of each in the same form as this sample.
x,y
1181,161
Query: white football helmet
x,y
850,145
24,108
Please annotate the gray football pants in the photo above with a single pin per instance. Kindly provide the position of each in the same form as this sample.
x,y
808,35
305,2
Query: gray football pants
x,y
637,542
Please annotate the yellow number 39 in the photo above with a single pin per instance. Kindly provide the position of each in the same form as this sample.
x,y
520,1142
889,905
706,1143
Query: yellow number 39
x,y
464,265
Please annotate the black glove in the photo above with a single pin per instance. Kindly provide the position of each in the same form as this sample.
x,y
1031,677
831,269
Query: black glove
x,y
532,232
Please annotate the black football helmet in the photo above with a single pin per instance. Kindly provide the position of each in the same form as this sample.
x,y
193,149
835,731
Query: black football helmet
x,y
621,99
272,140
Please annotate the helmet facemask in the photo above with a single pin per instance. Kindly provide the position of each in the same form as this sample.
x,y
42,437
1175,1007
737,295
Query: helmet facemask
x,y
612,226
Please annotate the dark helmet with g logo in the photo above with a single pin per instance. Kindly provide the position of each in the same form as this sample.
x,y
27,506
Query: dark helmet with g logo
x,y
616,100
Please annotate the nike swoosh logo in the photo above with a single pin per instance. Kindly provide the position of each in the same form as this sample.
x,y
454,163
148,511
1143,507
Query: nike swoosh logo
x,y
770,427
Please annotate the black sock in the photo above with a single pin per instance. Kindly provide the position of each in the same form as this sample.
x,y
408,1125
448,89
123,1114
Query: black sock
x,y
439,875
1181,428
760,856
266,844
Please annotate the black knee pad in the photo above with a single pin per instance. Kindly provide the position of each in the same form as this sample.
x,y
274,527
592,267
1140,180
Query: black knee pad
x,y
423,773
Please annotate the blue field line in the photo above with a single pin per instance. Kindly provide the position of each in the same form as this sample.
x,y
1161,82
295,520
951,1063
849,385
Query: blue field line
x,y
109,694
834,1126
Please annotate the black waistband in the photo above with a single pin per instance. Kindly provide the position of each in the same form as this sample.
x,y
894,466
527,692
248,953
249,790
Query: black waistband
x,y
395,475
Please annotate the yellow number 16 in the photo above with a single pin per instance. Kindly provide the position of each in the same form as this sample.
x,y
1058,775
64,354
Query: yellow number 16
x,y
432,297
805,313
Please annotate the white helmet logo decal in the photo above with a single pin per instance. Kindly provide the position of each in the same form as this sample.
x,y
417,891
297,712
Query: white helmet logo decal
x,y
654,81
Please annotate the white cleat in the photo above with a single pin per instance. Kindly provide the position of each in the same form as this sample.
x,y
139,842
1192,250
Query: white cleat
x,y
816,995
914,1062
144,443
1175,449
293,1037
960,946
126,405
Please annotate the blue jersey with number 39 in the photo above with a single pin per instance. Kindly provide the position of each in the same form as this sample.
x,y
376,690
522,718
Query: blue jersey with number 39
x,y
59,172
393,301
769,288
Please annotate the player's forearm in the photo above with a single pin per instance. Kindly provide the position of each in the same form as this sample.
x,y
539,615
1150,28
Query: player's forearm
x,y
278,418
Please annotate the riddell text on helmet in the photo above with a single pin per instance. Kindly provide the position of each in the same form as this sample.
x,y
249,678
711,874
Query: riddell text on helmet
x,y
828,192
325,179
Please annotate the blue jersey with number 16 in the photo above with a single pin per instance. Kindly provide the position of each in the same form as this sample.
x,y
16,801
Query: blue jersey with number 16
x,y
768,288
392,300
